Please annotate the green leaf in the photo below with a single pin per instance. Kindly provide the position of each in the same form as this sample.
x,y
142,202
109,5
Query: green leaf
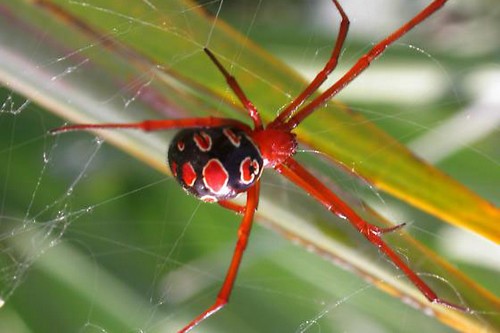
x,y
152,57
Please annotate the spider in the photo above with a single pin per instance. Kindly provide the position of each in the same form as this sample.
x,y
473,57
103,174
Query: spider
x,y
216,159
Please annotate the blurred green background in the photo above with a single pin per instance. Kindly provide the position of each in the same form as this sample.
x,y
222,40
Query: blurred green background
x,y
94,241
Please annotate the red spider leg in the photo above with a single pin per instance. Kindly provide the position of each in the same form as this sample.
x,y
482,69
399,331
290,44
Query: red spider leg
x,y
362,64
243,234
321,76
158,125
238,209
301,177
233,84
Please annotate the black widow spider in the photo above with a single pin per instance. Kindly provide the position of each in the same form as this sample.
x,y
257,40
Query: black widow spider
x,y
216,159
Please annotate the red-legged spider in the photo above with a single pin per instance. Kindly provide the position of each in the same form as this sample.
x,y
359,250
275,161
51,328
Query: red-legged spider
x,y
216,159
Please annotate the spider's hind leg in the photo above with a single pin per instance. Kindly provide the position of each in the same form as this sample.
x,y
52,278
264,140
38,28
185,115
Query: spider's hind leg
x,y
304,179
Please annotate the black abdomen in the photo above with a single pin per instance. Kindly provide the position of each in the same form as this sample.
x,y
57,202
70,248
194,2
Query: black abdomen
x,y
214,163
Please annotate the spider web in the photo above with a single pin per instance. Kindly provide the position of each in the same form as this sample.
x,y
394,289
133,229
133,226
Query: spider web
x,y
108,245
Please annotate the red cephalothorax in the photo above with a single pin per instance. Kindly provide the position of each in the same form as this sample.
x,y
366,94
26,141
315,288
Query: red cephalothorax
x,y
217,158
275,145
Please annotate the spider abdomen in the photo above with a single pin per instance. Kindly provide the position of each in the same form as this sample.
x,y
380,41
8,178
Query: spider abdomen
x,y
214,163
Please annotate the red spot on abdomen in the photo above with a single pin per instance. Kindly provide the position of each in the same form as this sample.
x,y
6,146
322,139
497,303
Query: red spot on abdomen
x,y
232,137
249,169
215,176
173,168
188,174
203,141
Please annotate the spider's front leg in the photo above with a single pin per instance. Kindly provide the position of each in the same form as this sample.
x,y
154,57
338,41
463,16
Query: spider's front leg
x,y
361,65
321,77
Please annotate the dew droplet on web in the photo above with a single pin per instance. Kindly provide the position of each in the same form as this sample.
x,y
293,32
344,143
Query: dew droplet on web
x,y
99,141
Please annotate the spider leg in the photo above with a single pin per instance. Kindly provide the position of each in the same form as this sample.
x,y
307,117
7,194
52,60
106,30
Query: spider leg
x,y
243,234
238,209
158,125
362,64
233,84
301,177
322,75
